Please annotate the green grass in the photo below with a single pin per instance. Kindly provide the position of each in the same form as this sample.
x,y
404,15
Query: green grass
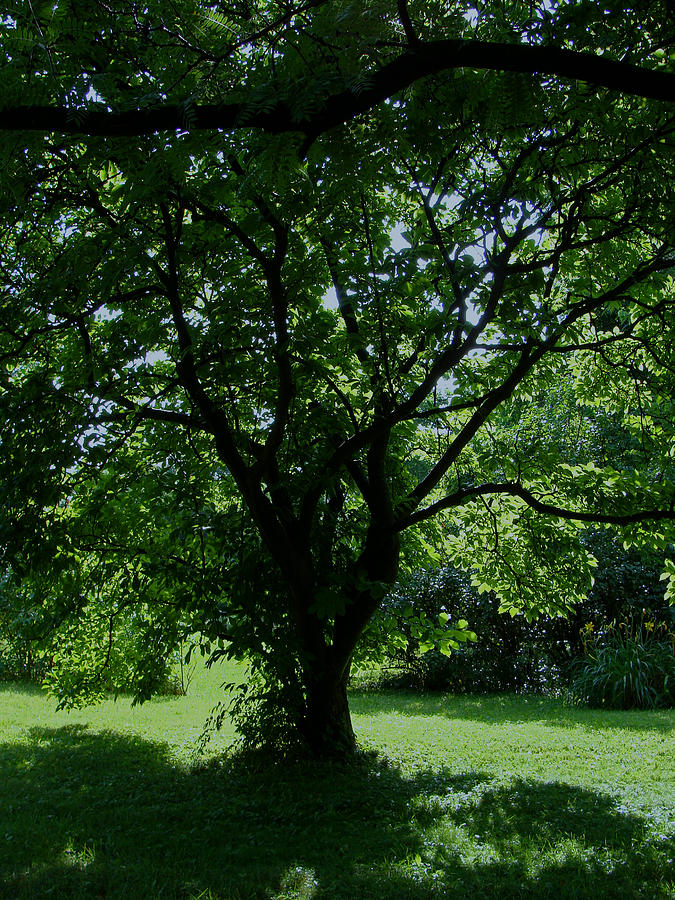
x,y
503,797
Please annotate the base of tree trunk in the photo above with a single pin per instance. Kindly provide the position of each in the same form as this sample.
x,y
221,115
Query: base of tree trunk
x,y
327,725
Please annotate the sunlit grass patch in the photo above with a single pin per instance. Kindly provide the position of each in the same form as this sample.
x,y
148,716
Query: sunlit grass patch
x,y
480,797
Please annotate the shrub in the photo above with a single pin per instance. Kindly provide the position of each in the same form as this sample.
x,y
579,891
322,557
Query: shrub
x,y
19,661
20,656
627,666
510,654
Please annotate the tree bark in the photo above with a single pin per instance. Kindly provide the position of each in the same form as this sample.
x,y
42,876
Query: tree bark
x,y
327,726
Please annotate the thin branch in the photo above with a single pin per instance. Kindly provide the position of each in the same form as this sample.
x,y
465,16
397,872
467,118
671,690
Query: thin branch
x,y
406,22
345,305
149,413
384,344
201,211
528,359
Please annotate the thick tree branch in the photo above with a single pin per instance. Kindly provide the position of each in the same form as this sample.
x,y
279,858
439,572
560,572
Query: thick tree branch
x,y
149,413
378,562
272,266
515,489
285,381
272,516
425,59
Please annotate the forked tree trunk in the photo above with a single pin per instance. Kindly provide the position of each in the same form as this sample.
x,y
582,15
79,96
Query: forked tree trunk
x,y
326,724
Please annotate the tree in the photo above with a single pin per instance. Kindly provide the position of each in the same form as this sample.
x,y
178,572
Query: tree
x,y
271,271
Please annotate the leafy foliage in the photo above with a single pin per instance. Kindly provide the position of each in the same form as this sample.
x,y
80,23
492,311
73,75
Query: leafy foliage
x,y
241,389
511,653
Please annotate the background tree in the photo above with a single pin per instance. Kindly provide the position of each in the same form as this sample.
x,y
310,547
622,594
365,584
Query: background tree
x,y
278,266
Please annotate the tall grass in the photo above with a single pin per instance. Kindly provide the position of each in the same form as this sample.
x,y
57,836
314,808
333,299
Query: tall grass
x,y
628,666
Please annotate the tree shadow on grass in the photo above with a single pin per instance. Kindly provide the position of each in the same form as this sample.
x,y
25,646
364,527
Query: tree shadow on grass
x,y
501,708
101,814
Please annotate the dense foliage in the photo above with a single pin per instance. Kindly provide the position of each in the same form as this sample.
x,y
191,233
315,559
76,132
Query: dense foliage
x,y
510,653
242,390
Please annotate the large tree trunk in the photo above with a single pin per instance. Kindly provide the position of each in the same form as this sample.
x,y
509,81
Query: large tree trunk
x,y
325,657
327,725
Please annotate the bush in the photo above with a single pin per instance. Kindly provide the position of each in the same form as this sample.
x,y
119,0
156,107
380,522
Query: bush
x,y
510,654
20,656
626,581
19,662
627,666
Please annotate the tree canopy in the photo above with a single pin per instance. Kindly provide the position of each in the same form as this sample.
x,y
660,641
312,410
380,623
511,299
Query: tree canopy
x,y
285,287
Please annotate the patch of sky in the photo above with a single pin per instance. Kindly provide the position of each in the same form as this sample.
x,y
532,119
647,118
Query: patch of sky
x,y
153,356
106,314
148,359
93,96
397,240
471,16
330,300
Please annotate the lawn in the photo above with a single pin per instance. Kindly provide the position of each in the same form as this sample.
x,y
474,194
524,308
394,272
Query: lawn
x,y
503,796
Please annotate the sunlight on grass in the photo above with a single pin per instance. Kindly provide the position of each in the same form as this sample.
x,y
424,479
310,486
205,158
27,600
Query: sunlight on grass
x,y
80,857
173,720
298,883
499,796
